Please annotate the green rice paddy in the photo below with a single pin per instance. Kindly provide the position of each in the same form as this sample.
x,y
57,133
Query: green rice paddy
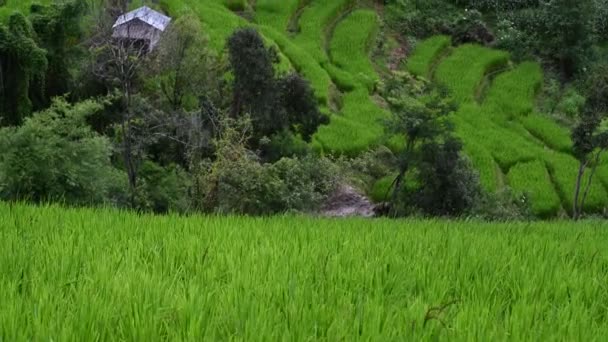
x,y
82,275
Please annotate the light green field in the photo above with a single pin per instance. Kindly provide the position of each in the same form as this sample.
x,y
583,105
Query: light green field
x,y
82,275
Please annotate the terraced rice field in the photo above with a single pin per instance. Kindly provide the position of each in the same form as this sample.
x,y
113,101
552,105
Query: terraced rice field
x,y
84,275
507,140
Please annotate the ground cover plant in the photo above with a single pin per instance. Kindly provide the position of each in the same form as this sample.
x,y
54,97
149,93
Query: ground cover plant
x,y
101,274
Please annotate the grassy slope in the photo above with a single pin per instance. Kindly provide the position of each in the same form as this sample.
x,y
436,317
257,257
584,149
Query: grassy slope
x,y
502,134
101,274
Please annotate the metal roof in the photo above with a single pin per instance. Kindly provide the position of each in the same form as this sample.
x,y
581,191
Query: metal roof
x,y
147,15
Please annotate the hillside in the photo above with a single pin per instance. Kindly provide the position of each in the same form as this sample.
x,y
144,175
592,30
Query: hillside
x,y
330,48
509,142
104,274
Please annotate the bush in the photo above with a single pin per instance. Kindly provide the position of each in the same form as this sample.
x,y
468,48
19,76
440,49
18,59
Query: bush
x,y
163,189
235,5
55,156
471,28
306,182
238,182
422,19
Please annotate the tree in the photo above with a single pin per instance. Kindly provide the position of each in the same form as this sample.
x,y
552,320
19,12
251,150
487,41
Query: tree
x,y
589,136
22,63
254,86
58,27
302,115
54,155
444,184
119,62
185,66
564,31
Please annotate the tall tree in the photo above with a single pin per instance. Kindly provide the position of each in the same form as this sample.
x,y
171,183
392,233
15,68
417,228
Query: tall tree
x,y
22,62
302,114
430,154
184,64
254,87
564,32
58,27
119,63
590,137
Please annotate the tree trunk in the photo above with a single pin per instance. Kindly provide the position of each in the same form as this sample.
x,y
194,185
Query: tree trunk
x,y
577,189
397,186
588,185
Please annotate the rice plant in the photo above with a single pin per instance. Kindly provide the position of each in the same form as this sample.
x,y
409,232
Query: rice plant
x,y
276,13
316,18
81,275
350,45
564,169
463,71
549,132
533,180
426,53
512,93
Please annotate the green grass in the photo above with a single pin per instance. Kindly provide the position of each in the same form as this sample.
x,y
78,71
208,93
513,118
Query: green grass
x,y
532,179
82,275
463,71
426,54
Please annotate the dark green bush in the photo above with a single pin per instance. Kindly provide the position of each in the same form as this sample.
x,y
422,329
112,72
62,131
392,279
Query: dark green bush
x,y
55,156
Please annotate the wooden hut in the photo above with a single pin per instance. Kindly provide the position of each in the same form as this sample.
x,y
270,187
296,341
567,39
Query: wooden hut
x,y
142,25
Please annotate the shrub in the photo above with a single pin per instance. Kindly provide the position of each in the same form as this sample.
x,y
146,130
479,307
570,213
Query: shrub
x,y
163,189
235,5
55,156
470,28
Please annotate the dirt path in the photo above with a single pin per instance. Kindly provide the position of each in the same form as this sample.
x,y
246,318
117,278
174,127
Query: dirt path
x,y
348,202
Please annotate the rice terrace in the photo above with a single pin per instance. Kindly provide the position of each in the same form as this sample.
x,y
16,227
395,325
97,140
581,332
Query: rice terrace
x,y
298,170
